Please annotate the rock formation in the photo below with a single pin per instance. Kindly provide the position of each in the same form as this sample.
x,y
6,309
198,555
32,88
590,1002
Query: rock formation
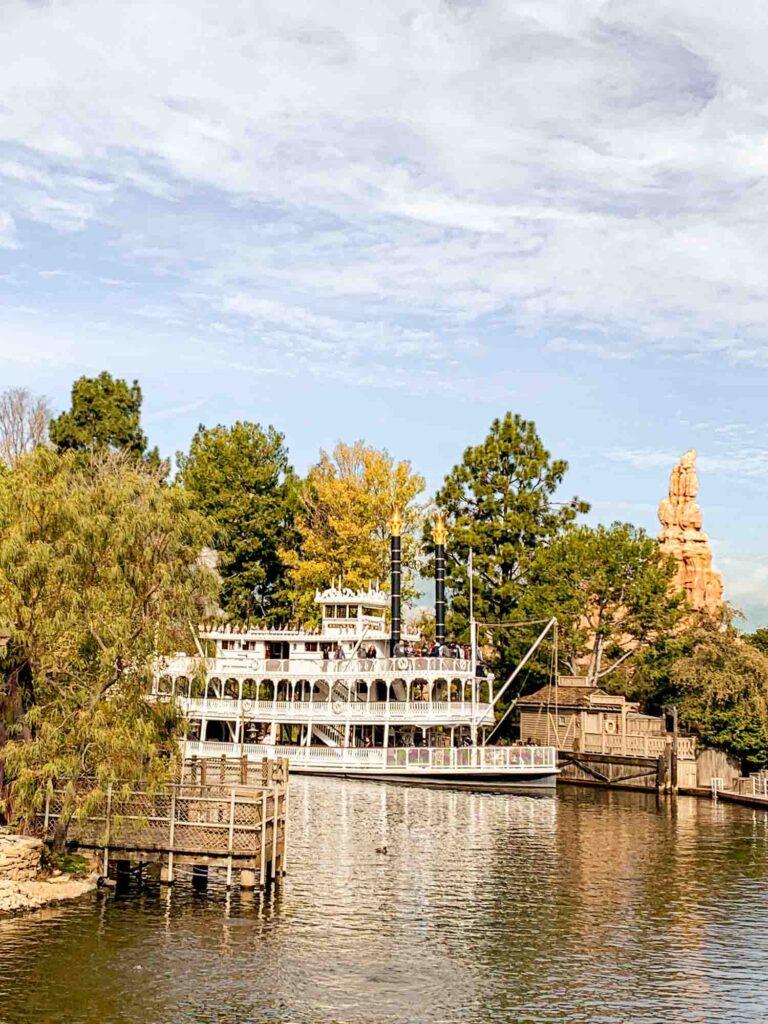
x,y
682,536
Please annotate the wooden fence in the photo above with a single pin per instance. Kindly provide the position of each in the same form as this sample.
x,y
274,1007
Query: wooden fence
x,y
225,822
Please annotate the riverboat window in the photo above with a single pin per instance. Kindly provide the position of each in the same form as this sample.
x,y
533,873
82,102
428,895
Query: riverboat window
x,y
249,645
352,611
311,646
374,613
340,611
228,645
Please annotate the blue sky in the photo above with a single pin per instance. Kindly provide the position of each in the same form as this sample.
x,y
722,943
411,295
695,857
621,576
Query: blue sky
x,y
396,221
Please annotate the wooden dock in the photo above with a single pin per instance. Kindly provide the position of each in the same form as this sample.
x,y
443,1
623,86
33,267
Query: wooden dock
x,y
221,823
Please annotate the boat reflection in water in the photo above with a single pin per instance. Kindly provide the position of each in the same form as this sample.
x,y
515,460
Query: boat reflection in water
x,y
585,907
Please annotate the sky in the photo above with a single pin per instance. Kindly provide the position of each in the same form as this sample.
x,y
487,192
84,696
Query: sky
x,y
396,221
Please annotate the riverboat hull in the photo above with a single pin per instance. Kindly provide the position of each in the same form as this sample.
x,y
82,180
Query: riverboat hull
x,y
481,782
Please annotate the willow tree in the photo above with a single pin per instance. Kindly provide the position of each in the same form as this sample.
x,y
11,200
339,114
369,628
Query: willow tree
x,y
346,503
99,570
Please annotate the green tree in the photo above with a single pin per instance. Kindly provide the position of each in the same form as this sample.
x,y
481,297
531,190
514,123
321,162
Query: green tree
x,y
240,477
611,589
720,684
347,501
99,571
498,502
758,639
105,413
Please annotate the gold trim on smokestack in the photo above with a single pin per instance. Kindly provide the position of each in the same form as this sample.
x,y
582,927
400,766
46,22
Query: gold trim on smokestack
x,y
439,531
395,524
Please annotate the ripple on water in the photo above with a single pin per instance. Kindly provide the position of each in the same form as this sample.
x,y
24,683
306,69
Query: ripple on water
x,y
594,907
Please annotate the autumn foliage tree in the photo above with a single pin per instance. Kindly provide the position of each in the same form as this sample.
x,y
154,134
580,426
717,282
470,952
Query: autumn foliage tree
x,y
99,571
347,501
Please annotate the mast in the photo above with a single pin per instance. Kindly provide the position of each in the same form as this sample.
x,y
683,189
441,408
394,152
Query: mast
x,y
395,530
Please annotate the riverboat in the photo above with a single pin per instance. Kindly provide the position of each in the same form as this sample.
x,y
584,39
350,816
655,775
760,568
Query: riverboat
x,y
349,698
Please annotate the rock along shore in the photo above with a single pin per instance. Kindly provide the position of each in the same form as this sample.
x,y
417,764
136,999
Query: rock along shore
x,y
23,886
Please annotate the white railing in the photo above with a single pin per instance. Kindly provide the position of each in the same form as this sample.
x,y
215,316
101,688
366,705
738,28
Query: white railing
x,y
330,711
482,760
637,746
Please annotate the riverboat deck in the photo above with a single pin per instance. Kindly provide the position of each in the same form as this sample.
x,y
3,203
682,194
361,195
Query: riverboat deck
x,y
471,765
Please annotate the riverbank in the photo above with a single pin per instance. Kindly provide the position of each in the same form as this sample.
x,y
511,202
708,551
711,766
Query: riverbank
x,y
25,887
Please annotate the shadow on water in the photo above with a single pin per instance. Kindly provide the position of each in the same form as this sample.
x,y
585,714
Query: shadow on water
x,y
589,907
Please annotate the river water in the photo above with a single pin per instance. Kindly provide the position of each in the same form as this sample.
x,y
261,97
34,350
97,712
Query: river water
x,y
585,907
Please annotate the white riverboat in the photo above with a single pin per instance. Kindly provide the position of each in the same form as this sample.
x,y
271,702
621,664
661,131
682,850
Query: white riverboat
x,y
347,699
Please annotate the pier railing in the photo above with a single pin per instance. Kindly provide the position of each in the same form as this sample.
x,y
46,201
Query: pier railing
x,y
239,825
636,746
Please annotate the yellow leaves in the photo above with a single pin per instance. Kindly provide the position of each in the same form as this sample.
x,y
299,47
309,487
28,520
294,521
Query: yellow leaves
x,y
346,503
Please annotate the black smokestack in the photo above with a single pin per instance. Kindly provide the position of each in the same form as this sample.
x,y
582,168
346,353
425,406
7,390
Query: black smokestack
x,y
439,538
395,528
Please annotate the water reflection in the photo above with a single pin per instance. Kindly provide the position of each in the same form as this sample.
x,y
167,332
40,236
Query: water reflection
x,y
589,907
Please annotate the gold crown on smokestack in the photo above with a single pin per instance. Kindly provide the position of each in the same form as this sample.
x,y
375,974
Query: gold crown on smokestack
x,y
439,532
396,524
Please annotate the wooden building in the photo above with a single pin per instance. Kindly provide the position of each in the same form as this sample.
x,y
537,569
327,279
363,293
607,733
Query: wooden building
x,y
574,715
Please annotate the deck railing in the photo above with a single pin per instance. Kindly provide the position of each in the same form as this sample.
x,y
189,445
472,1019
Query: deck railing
x,y
328,710
395,759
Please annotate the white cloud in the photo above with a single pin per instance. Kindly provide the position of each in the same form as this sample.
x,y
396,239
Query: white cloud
x,y
745,462
567,169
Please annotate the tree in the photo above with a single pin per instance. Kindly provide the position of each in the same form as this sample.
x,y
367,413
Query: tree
x,y
611,589
347,501
720,685
498,503
24,419
99,571
758,639
105,414
240,477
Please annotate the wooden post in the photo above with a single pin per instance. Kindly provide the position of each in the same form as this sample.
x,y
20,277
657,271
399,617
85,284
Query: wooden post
x,y
107,831
47,812
244,770
275,806
171,837
284,858
263,861
231,844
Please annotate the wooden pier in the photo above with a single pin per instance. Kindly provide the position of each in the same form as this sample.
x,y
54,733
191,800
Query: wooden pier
x,y
223,823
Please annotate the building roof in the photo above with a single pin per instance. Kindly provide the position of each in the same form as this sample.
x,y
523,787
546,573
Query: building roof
x,y
575,696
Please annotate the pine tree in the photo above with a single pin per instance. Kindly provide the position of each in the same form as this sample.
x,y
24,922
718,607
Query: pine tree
x,y
105,414
498,503
240,477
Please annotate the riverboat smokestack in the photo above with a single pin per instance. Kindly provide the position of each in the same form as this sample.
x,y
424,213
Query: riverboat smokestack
x,y
439,536
395,530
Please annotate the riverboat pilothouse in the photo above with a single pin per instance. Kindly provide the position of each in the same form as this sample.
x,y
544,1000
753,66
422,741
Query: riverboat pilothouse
x,y
351,698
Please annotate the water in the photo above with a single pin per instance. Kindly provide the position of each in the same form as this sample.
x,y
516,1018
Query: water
x,y
589,907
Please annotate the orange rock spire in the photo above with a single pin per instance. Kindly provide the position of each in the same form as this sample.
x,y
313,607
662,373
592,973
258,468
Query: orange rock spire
x,y
682,536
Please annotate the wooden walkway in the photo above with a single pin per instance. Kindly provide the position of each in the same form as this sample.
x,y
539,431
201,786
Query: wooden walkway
x,y
222,823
